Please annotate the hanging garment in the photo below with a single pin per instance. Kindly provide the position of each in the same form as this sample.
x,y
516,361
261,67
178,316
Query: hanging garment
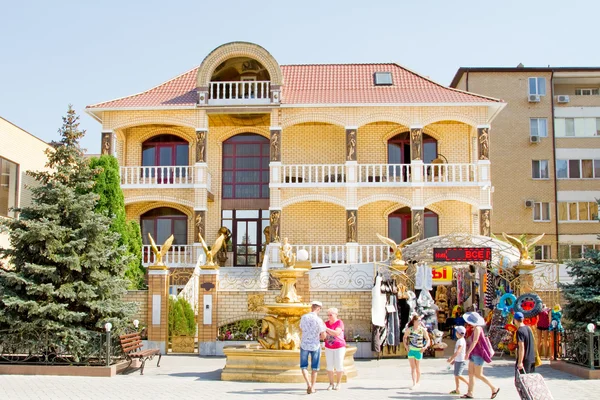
x,y
404,314
459,286
378,301
393,322
423,277
378,338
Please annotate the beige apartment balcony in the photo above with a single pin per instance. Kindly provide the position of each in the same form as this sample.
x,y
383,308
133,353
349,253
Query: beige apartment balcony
x,y
240,93
161,177
374,175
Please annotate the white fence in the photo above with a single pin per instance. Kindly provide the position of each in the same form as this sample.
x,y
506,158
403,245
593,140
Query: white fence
x,y
177,256
313,173
324,253
239,92
450,173
384,173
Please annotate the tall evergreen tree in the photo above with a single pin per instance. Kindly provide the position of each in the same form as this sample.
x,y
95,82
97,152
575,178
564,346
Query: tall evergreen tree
x,y
66,274
112,203
583,294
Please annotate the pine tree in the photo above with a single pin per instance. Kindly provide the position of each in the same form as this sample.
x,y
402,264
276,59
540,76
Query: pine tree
x,y
66,273
583,294
112,203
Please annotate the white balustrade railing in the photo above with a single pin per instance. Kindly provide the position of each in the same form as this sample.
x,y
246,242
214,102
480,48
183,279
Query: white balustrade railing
x,y
450,173
313,173
239,92
384,173
369,253
324,253
158,175
178,255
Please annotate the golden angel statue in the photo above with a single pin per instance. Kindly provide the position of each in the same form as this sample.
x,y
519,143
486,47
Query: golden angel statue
x,y
285,253
523,246
397,248
210,254
158,255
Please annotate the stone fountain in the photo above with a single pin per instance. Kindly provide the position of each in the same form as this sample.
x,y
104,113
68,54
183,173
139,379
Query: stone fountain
x,y
277,356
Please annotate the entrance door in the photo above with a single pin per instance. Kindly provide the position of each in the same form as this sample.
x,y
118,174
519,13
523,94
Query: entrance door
x,y
247,227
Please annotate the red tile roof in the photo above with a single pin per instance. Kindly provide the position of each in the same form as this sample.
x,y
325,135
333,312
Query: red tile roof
x,y
316,84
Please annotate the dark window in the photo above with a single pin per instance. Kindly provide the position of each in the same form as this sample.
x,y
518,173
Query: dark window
x,y
163,222
9,187
399,149
246,167
247,227
165,150
400,224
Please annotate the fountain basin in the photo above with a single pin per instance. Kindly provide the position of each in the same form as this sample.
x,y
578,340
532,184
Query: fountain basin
x,y
252,363
287,309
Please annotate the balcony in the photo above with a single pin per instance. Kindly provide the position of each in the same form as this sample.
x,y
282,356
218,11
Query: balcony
x,y
239,93
373,175
177,256
175,176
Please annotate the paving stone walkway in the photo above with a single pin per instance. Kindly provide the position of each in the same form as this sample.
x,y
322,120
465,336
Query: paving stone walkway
x,y
191,377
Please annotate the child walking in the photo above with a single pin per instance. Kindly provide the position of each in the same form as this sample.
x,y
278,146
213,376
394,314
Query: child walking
x,y
458,358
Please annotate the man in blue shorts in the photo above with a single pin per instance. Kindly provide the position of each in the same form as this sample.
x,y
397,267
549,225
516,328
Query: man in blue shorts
x,y
313,330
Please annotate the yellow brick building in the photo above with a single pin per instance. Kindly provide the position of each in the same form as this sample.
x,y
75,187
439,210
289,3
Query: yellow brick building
x,y
326,155
20,152
545,149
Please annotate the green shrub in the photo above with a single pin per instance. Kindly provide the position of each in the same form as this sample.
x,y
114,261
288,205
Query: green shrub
x,y
182,320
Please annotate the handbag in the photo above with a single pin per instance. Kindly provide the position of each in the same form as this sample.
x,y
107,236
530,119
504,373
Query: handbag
x,y
487,350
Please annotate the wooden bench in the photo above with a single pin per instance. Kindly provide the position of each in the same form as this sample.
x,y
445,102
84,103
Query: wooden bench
x,y
130,344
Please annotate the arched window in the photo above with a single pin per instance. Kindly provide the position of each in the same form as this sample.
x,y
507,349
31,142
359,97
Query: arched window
x,y
400,224
246,167
399,149
163,222
165,150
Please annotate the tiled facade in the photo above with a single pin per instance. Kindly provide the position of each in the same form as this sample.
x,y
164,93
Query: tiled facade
x,y
513,152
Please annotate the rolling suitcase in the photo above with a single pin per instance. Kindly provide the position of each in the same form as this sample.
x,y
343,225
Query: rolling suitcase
x,y
532,386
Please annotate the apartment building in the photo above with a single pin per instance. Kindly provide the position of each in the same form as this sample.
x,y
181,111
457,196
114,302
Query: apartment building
x,y
325,155
545,148
20,151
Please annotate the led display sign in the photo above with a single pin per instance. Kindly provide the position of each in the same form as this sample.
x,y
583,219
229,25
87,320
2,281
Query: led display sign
x,y
467,254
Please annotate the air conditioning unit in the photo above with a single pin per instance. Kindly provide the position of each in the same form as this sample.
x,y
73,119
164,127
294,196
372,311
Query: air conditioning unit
x,y
534,98
563,98
529,203
534,139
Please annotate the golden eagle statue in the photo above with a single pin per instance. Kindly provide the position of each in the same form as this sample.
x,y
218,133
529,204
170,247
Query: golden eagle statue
x,y
397,248
523,246
210,254
159,255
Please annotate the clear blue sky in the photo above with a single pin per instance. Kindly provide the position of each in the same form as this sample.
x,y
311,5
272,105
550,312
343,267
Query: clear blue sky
x,y
55,53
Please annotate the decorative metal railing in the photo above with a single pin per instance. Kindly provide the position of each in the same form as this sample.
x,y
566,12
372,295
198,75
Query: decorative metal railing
x,y
242,279
56,348
239,92
581,347
303,174
178,255
351,277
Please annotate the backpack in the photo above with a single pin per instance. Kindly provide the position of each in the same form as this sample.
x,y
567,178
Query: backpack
x,y
487,350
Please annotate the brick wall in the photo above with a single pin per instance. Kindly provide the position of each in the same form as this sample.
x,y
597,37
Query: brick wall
x,y
140,298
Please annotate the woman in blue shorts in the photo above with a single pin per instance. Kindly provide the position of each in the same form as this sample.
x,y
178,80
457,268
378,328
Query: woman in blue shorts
x,y
416,341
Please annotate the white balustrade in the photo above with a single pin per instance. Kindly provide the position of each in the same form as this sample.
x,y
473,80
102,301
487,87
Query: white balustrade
x,y
324,253
239,92
158,175
450,173
177,256
369,253
384,173
313,173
